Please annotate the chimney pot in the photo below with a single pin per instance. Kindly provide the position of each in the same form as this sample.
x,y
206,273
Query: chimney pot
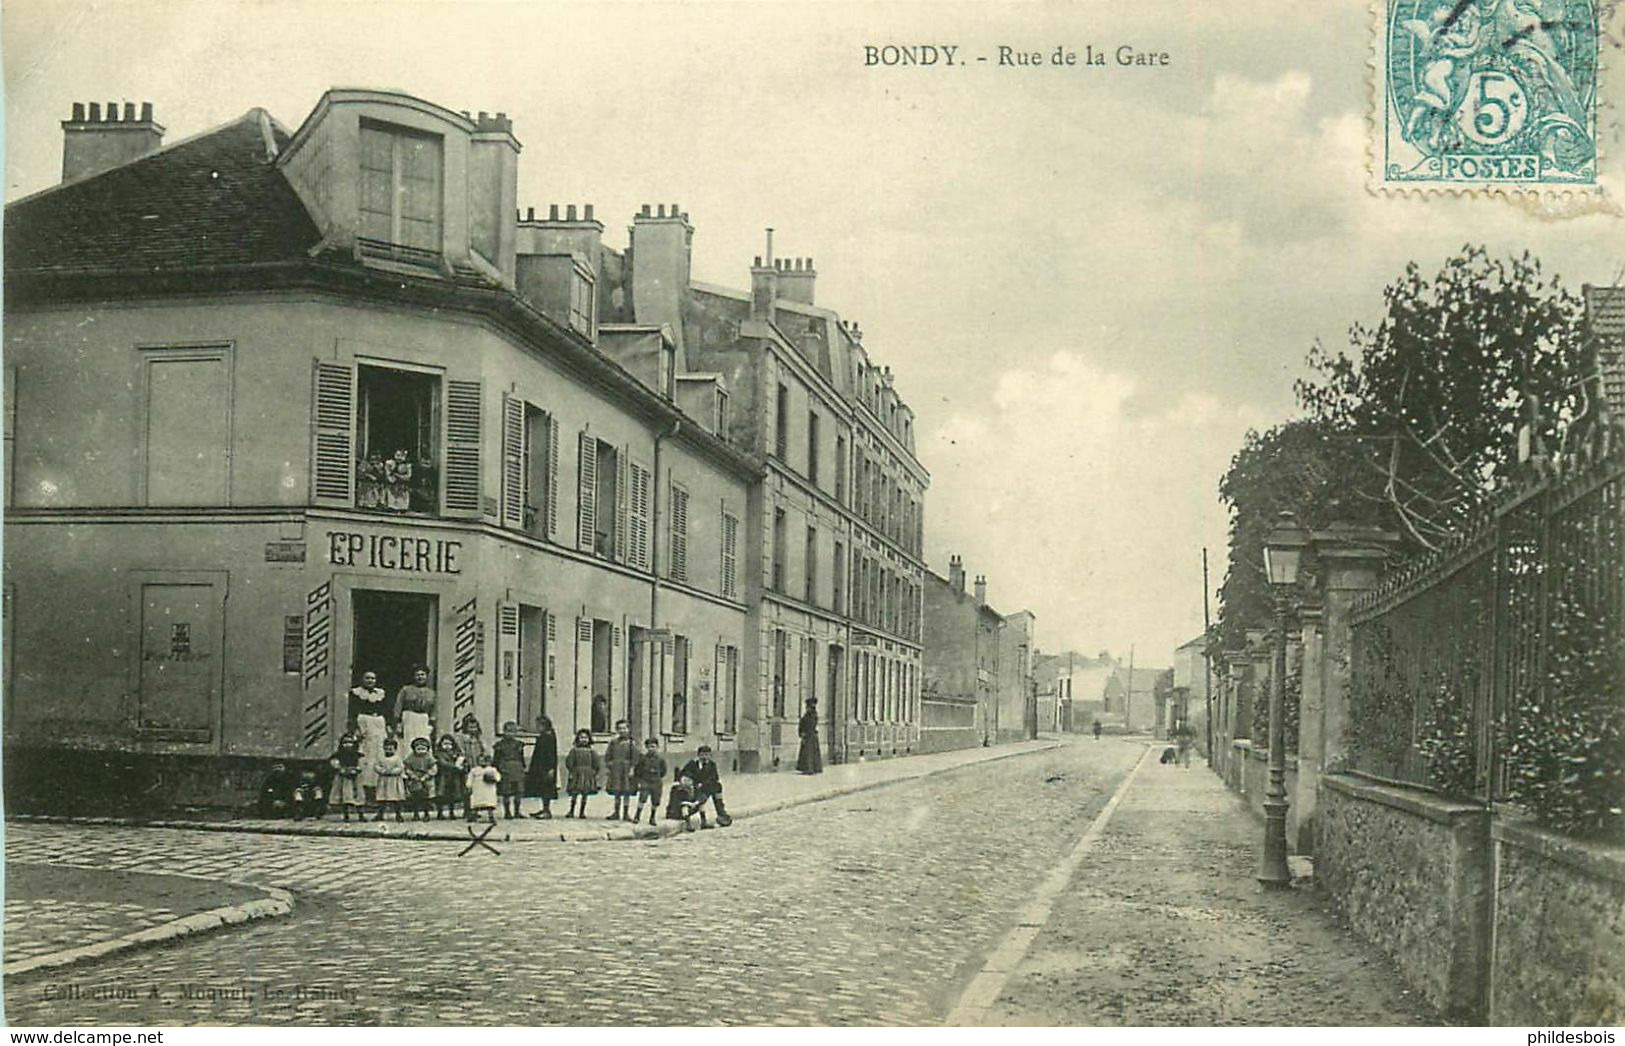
x,y
660,210
645,212
95,112
809,264
674,210
530,214
587,212
112,112
466,115
146,112
78,112
757,264
129,112
553,212
570,213
798,264
484,116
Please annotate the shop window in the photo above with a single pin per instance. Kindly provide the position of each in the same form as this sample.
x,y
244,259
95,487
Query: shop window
x,y
400,195
396,426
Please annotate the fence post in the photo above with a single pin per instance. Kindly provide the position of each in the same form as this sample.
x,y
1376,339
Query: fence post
x,y
1351,560
1311,721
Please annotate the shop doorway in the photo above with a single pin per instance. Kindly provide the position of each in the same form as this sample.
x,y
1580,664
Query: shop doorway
x,y
834,714
393,633
602,660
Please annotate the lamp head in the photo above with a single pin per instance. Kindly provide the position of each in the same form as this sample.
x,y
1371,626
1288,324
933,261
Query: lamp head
x,y
1283,550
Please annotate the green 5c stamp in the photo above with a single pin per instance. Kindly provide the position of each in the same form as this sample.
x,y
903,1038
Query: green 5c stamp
x,y
1481,93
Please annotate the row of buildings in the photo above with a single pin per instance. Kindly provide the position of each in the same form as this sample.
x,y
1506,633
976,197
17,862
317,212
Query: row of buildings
x,y
287,406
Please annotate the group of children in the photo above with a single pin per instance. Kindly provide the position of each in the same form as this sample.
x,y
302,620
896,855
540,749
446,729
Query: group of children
x,y
458,771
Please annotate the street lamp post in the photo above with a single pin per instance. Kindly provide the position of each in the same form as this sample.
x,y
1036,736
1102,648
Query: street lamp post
x,y
1283,548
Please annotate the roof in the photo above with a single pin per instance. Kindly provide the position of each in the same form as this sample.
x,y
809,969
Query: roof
x,y
215,199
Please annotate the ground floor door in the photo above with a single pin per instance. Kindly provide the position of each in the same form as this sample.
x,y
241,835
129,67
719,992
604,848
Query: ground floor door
x,y
179,685
393,633
834,710
533,666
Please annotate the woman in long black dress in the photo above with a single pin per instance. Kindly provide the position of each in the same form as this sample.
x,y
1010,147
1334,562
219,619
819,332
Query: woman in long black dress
x,y
811,758
542,776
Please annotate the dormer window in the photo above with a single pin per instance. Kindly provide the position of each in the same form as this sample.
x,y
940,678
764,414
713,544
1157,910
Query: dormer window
x,y
401,174
720,422
583,302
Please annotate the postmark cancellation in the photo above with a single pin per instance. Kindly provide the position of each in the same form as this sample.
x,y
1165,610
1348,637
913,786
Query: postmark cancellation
x,y
1486,94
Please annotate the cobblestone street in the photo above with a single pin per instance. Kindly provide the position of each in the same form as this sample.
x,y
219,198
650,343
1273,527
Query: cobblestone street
x,y
871,909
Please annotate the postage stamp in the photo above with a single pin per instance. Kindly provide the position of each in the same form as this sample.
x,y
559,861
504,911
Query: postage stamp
x,y
1474,94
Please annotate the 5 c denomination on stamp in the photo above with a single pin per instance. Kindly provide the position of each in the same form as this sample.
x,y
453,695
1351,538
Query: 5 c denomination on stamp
x,y
1474,94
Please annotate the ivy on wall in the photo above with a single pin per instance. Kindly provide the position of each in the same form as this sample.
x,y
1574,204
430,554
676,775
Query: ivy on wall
x,y
1448,744
1566,745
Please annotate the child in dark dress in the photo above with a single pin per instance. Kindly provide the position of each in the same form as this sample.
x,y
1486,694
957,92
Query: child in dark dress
x,y
508,754
418,776
450,785
582,766
346,764
542,777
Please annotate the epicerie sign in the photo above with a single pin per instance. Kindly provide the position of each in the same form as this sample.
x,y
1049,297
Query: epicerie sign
x,y
402,552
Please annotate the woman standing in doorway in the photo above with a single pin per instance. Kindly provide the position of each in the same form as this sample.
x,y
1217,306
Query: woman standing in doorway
x,y
414,709
367,707
811,758
542,776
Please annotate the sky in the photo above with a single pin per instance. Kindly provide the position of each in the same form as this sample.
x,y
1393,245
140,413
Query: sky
x,y
1089,283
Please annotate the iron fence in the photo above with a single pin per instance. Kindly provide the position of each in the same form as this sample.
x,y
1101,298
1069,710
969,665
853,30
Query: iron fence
x,y
1447,643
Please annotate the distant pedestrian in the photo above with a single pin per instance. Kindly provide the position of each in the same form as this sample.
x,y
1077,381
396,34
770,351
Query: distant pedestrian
x,y
619,758
418,779
650,776
483,781
542,776
346,763
1184,739
581,768
1097,729
810,760
390,768
508,755
451,776
706,775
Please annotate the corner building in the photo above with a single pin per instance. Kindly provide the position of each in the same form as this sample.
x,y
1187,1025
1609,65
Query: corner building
x,y
284,407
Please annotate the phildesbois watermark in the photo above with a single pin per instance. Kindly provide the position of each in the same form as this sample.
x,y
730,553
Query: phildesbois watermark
x,y
1487,92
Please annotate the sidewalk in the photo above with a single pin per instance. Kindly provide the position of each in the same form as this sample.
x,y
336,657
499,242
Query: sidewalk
x,y
61,914
1157,919
746,795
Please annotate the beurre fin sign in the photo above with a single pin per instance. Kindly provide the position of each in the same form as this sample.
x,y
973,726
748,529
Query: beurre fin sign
x,y
403,552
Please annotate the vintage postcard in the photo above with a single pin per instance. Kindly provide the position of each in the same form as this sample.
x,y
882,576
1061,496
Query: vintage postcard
x,y
836,514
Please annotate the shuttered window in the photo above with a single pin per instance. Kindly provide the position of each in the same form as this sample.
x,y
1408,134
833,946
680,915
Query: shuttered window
x,y
587,492
463,447
638,517
333,458
552,494
514,460
730,555
679,533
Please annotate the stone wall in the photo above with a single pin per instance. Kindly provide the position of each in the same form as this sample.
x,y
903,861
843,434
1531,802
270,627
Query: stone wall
x,y
1410,872
1559,917
1249,774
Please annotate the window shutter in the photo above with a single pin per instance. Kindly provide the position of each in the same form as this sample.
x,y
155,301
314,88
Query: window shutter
x,y
463,448
583,673
679,534
730,556
638,520
587,494
552,476
332,480
513,462
620,506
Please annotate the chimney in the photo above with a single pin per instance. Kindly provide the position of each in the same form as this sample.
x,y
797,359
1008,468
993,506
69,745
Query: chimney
x,y
565,230
93,143
981,590
956,574
662,249
493,189
764,283
796,280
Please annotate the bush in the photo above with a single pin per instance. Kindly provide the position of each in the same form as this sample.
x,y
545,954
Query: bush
x,y
1448,744
1566,745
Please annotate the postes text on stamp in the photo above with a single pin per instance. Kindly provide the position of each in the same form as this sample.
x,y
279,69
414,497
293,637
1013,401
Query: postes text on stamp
x,y
1477,94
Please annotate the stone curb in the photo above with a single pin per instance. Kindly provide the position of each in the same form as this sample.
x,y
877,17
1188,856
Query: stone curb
x,y
660,831
275,903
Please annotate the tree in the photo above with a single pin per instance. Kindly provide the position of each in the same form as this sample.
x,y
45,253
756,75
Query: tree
x,y
1434,396
1294,467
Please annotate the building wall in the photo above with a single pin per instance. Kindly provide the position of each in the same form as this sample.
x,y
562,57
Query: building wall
x,y
272,580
